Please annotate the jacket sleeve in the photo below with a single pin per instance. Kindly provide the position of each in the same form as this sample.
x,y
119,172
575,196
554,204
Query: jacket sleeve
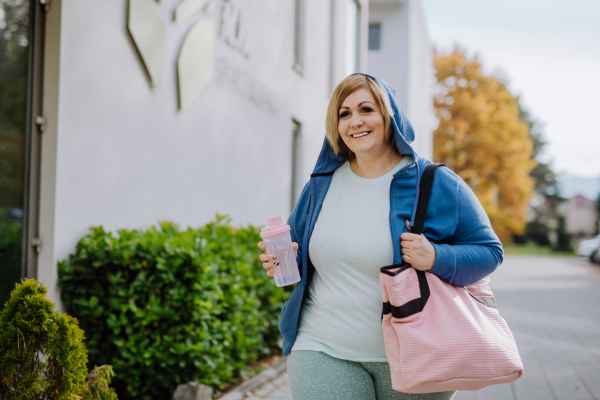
x,y
473,251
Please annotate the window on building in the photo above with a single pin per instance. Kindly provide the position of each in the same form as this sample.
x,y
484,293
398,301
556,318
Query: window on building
x,y
296,162
374,36
352,36
19,140
299,37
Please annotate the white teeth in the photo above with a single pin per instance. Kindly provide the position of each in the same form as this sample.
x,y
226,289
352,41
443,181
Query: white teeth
x,y
360,134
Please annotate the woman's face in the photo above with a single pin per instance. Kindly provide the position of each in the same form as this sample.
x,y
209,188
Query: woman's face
x,y
361,124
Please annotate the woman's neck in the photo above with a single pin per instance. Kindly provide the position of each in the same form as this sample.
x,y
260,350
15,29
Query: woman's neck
x,y
374,166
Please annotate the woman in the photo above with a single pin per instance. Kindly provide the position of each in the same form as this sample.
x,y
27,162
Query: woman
x,y
352,218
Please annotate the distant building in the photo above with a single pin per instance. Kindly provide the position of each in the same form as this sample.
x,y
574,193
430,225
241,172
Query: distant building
x,y
581,215
400,51
177,110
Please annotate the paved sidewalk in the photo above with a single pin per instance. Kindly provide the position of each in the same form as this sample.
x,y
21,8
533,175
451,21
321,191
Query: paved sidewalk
x,y
277,389
552,305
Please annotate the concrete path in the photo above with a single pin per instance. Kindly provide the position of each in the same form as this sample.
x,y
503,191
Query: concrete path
x,y
552,305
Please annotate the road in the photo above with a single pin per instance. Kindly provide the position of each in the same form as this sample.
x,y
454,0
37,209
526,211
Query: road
x,y
552,305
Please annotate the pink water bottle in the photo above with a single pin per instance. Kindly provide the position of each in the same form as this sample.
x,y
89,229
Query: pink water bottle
x,y
279,244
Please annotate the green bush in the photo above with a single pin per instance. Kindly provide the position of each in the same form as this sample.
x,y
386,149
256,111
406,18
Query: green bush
x,y
538,233
167,306
98,384
42,355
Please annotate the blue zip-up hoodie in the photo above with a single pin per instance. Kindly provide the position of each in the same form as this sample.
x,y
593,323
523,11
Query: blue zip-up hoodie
x,y
467,249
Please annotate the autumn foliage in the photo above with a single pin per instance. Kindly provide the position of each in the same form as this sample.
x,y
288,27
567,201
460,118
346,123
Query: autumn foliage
x,y
482,138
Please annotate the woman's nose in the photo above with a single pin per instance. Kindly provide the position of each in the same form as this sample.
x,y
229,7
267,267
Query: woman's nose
x,y
357,122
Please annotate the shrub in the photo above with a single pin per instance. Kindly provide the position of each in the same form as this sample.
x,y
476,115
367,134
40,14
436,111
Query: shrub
x,y
538,233
98,384
167,306
42,355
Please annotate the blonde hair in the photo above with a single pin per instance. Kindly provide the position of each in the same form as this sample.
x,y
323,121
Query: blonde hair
x,y
343,90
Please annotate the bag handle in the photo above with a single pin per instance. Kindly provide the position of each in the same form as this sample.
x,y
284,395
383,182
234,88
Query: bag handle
x,y
424,195
416,305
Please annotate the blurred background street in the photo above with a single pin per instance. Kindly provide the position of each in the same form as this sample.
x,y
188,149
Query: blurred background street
x,y
552,305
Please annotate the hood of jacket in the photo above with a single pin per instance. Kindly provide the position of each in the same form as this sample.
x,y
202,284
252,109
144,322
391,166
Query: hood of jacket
x,y
404,134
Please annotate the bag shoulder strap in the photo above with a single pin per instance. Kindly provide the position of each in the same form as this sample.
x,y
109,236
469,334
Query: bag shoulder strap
x,y
416,305
424,194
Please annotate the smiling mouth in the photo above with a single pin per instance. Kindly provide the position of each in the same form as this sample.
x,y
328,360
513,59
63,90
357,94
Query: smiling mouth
x,y
359,135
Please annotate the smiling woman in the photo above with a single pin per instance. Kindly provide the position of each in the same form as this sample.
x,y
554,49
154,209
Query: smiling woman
x,y
362,129
367,90
353,218
360,126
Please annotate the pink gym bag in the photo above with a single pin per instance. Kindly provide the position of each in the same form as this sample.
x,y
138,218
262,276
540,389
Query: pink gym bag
x,y
441,337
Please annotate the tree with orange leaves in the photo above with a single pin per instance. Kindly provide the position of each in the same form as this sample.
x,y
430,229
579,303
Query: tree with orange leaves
x,y
482,138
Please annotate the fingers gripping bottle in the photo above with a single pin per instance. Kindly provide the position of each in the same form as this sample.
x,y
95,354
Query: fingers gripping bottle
x,y
279,244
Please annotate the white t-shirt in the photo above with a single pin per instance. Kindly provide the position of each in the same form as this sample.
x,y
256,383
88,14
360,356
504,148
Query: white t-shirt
x,y
351,241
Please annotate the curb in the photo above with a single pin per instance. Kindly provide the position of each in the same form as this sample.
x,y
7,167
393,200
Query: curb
x,y
265,376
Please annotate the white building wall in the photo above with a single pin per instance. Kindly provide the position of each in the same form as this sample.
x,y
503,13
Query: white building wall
x,y
420,83
119,153
391,62
405,61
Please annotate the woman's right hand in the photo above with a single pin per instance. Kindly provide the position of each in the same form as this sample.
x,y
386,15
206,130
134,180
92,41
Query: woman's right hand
x,y
269,261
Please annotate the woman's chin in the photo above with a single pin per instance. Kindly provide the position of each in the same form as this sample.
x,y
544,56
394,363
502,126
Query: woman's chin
x,y
365,151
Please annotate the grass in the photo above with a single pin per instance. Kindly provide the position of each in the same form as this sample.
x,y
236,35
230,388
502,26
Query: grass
x,y
532,249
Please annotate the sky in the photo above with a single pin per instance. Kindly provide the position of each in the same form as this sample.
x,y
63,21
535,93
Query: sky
x,y
549,51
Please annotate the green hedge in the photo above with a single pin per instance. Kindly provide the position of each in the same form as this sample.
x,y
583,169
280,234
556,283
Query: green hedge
x,y
167,306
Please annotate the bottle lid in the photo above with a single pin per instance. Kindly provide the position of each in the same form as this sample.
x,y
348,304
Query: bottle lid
x,y
276,227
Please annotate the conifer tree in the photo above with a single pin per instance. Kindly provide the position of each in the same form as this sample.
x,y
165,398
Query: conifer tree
x,y
563,237
42,355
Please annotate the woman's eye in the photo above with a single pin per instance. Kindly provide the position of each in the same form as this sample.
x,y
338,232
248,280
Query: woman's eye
x,y
344,114
367,109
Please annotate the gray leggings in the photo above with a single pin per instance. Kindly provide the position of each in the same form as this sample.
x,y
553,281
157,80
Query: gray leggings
x,y
315,375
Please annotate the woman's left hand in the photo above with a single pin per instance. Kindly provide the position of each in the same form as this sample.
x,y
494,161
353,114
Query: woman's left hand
x,y
417,250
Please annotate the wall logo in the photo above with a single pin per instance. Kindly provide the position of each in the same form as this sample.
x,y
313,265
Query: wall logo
x,y
195,64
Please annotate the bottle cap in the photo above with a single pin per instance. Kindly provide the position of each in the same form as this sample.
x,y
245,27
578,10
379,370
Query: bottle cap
x,y
276,227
